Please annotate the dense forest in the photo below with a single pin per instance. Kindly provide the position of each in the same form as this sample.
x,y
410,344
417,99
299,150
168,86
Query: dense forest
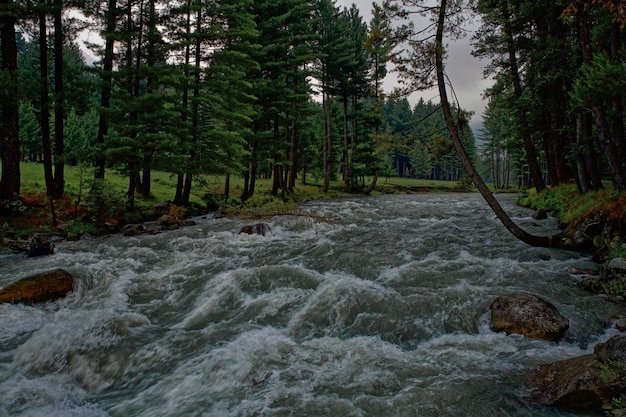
x,y
555,110
292,90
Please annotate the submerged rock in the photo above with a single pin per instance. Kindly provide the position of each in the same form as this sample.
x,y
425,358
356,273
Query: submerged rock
x,y
256,229
38,288
581,382
528,315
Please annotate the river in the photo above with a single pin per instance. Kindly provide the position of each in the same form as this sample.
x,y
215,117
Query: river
x,y
372,306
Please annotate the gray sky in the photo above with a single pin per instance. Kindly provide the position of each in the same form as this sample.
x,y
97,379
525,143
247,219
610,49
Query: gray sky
x,y
464,71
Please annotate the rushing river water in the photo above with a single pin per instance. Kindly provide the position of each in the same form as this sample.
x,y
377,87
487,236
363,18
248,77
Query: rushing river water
x,y
372,306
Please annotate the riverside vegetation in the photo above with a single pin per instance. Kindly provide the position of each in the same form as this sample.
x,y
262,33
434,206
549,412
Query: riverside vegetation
x,y
77,213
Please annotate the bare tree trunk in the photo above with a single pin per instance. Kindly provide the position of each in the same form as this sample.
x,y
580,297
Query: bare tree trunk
x,y
544,241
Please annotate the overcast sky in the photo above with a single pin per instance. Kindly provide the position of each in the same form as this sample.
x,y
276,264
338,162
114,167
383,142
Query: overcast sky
x,y
464,71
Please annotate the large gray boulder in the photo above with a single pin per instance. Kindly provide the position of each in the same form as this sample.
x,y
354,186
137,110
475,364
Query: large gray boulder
x,y
38,288
528,315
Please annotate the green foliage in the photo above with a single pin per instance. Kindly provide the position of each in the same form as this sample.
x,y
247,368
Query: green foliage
x,y
105,202
557,199
421,146
80,136
14,207
598,81
614,373
261,205
30,132
80,226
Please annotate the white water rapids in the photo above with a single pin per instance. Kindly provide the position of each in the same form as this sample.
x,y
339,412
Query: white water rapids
x,y
375,306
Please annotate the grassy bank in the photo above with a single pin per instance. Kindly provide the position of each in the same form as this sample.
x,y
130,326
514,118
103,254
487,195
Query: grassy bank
x,y
572,208
77,213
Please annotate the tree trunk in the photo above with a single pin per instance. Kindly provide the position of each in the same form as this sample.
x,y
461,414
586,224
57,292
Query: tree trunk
x,y
617,104
529,145
544,241
293,151
194,107
105,94
610,150
253,173
246,185
59,101
187,188
584,183
178,196
584,37
226,188
326,139
146,180
10,149
346,157
44,106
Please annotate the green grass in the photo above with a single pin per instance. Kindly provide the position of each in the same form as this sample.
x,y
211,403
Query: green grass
x,y
78,181
414,183
568,204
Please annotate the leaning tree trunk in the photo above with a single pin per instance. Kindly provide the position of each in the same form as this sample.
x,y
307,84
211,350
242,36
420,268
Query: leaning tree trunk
x,y
543,241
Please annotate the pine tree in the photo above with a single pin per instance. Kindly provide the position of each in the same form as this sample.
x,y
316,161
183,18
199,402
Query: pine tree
x,y
287,41
229,116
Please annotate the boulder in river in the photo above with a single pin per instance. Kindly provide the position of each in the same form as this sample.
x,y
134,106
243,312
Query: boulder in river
x,y
583,382
256,229
528,315
168,222
38,288
133,229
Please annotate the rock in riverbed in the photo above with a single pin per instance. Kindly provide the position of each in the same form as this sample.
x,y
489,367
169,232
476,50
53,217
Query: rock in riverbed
x,y
528,315
38,288
581,382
